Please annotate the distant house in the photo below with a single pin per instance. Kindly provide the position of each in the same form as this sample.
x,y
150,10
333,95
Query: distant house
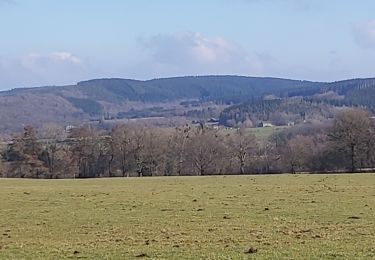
x,y
213,120
69,128
265,124
214,123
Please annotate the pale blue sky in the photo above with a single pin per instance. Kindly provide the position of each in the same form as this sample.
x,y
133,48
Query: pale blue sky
x,y
53,42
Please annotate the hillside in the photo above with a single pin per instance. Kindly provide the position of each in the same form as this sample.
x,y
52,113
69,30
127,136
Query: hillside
x,y
223,88
278,112
353,92
113,97
304,104
88,99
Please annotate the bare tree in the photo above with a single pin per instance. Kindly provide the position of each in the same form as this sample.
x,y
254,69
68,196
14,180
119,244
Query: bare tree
x,y
51,137
241,145
89,149
350,135
204,149
177,147
298,153
122,144
25,155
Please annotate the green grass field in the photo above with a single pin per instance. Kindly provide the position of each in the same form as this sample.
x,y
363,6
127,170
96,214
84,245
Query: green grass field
x,y
279,217
262,134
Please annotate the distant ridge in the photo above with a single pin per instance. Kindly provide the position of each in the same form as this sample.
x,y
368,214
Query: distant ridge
x,y
68,104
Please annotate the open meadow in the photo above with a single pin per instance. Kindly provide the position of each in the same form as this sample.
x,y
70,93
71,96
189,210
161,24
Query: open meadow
x,y
223,217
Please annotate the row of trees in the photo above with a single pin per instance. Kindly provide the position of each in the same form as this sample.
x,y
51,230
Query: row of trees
x,y
348,145
277,111
345,144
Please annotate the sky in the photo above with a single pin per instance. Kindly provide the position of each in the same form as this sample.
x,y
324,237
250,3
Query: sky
x,y
54,42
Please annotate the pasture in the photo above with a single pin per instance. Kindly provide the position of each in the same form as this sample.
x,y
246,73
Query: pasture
x,y
221,217
263,134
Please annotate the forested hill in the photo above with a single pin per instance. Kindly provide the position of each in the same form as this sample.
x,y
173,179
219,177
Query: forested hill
x,y
357,92
218,88
225,88
311,102
92,98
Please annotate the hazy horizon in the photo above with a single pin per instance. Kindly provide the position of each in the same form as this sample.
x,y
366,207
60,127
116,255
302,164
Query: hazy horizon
x,y
180,76
61,43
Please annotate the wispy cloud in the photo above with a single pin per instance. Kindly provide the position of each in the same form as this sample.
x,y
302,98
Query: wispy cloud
x,y
195,53
35,69
38,61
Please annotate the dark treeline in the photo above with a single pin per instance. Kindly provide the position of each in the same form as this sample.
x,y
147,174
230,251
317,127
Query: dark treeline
x,y
281,111
345,144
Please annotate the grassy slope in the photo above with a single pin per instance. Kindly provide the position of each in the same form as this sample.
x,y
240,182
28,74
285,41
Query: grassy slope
x,y
264,133
283,216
